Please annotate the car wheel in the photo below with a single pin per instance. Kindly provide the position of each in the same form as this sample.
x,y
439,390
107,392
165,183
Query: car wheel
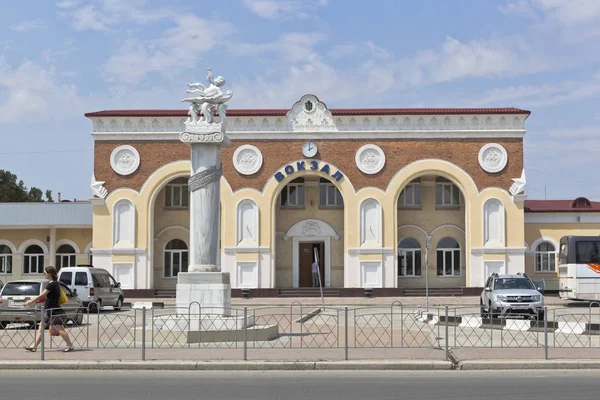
x,y
96,306
541,315
78,318
119,304
483,312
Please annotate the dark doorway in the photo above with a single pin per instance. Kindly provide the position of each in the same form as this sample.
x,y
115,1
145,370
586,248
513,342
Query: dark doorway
x,y
307,257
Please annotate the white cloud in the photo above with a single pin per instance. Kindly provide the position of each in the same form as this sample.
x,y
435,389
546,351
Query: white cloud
x,y
88,17
476,58
67,3
30,92
367,48
26,26
293,46
177,48
112,12
274,9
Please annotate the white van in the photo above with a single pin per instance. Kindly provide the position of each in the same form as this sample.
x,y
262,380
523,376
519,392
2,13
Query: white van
x,y
94,286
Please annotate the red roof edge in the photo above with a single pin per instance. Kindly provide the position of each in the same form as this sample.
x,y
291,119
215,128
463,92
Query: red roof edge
x,y
339,111
580,204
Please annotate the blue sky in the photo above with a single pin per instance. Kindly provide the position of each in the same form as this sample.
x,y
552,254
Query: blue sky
x,y
61,59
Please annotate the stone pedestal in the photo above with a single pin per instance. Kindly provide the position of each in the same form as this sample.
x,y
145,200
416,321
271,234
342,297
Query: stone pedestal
x,y
207,292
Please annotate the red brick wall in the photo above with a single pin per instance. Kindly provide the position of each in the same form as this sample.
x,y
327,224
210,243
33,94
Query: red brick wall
x,y
339,153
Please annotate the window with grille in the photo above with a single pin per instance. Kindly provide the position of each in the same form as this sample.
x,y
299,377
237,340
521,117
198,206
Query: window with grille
x,y
545,257
447,194
5,259
292,195
329,195
177,194
409,258
410,195
448,257
33,260
65,257
175,258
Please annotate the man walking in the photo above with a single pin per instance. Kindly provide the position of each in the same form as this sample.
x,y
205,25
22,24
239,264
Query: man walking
x,y
315,274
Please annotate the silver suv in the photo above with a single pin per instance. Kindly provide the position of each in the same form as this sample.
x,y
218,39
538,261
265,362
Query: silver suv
x,y
511,295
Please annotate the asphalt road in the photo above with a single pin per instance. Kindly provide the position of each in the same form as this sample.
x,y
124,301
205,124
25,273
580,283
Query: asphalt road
x,y
347,385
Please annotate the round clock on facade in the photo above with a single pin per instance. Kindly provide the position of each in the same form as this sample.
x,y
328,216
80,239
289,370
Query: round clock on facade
x,y
309,149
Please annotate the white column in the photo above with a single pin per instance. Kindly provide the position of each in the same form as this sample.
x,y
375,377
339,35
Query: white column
x,y
204,210
52,247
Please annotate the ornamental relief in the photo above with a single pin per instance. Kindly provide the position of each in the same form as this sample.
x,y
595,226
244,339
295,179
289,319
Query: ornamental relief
x,y
493,157
319,121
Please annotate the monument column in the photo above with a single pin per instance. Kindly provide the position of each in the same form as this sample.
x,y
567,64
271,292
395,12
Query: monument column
x,y
204,283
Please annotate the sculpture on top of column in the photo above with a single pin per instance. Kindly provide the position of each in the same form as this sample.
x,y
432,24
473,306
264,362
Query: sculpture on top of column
x,y
210,99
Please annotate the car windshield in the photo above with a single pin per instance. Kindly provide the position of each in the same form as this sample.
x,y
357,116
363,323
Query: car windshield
x,y
21,289
513,283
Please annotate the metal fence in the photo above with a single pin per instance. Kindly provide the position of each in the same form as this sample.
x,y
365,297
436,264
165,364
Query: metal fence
x,y
300,326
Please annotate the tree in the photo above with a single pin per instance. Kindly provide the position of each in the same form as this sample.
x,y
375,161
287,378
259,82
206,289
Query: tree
x,y
49,198
13,190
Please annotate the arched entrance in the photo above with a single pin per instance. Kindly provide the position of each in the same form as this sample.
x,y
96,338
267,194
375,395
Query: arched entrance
x,y
432,206
308,220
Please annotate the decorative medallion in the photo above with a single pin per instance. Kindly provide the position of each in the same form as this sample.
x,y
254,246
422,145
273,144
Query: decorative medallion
x,y
370,159
125,160
247,159
493,157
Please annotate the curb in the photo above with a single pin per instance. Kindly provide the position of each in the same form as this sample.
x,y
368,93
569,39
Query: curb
x,y
478,365
229,365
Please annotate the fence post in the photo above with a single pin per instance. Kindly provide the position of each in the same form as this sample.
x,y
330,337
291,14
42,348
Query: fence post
x,y
446,318
245,333
392,326
43,326
346,334
97,325
546,332
144,334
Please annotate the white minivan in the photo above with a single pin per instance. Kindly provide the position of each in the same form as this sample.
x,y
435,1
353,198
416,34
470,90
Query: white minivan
x,y
95,287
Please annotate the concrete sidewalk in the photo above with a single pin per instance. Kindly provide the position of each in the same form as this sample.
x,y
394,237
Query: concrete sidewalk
x,y
305,359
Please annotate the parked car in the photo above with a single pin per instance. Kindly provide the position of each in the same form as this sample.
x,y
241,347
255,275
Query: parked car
x,y
511,295
96,287
15,293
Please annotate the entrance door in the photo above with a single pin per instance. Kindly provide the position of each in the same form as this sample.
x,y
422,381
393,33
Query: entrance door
x,y
307,257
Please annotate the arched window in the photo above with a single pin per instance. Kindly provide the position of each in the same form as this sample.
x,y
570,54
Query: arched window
x,y
65,256
124,223
545,257
176,258
493,223
370,223
5,259
33,260
177,194
409,258
448,257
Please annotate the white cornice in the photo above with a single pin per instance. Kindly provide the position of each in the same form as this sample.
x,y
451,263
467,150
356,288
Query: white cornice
x,y
285,135
340,127
379,250
230,250
562,217
499,250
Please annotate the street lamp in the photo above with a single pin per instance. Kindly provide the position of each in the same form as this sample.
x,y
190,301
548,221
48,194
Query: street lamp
x,y
427,240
